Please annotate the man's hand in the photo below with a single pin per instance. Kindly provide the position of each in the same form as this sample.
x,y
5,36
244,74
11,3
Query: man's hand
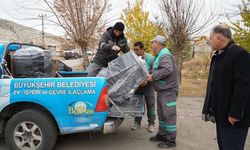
x,y
116,48
144,83
232,120
150,78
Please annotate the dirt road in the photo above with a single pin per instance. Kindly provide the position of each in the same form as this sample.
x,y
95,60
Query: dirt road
x,y
193,134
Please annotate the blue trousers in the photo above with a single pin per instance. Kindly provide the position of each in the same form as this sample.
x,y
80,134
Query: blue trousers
x,y
231,138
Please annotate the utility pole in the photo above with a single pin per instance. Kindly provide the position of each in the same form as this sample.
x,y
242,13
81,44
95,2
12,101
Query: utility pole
x,y
42,17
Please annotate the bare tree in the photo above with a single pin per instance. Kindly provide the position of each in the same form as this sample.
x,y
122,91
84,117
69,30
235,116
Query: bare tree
x,y
82,20
182,19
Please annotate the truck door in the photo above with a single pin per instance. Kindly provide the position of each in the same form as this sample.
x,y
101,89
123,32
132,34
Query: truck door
x,y
4,93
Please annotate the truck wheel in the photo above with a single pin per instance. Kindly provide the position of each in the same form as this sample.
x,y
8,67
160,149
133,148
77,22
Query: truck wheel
x,y
32,130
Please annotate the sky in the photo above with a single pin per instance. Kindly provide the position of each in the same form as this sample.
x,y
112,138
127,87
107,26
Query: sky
x,y
25,12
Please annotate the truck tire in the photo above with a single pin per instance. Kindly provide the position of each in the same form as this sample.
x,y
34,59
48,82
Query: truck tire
x,y
30,129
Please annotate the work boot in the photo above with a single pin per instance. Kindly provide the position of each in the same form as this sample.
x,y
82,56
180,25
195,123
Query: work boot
x,y
151,128
157,138
136,126
168,144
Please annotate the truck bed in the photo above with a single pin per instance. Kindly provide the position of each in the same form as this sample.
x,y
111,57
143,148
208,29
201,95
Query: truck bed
x,y
132,106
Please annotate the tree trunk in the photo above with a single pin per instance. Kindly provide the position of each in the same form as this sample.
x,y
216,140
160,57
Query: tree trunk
x,y
85,57
179,60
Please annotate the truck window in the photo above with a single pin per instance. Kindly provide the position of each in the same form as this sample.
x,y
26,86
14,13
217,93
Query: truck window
x,y
2,46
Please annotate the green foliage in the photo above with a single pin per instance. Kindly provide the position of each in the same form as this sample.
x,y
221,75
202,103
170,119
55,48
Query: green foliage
x,y
138,25
242,27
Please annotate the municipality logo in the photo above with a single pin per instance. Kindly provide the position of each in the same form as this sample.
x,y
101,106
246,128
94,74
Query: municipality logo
x,y
79,108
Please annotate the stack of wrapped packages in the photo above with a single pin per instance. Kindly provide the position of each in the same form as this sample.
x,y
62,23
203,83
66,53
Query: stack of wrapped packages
x,y
32,62
124,75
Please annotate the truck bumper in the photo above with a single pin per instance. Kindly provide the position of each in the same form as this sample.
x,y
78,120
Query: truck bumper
x,y
110,125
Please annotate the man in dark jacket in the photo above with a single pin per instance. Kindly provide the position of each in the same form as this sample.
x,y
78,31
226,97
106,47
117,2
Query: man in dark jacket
x,y
227,101
112,42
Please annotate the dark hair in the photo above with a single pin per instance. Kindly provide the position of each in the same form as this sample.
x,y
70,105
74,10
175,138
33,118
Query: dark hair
x,y
140,44
224,30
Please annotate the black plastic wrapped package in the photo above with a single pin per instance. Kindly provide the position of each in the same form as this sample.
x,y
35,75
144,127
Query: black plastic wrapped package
x,y
32,62
124,74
